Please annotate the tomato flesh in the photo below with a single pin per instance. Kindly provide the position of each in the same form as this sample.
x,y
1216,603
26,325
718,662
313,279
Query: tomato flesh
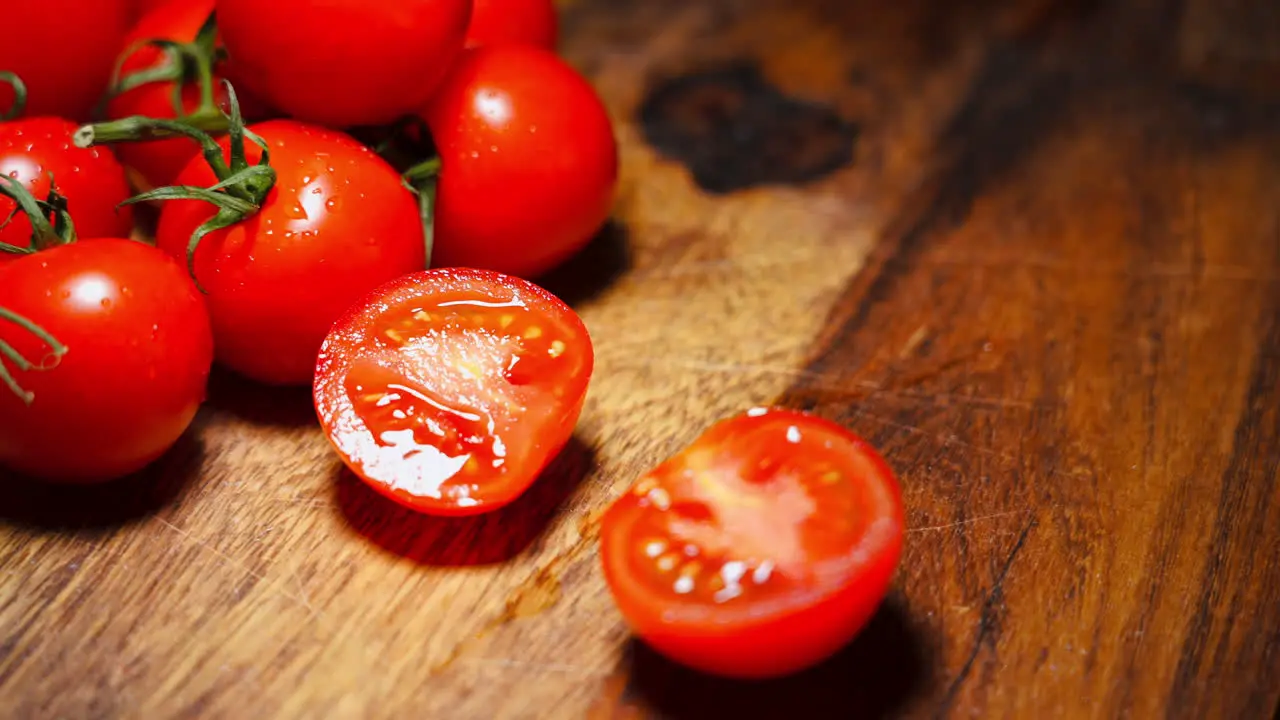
x,y
760,549
450,390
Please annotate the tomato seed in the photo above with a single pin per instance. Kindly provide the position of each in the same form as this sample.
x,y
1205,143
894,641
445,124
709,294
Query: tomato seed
x,y
395,336
422,315
557,348
762,572
505,321
660,498
684,585
667,563
644,486
654,548
533,333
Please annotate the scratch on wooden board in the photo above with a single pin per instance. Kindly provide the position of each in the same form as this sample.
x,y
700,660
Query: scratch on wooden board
x,y
227,559
968,521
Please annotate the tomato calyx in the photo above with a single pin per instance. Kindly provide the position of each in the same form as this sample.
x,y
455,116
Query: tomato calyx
x,y
43,236
242,188
19,95
181,64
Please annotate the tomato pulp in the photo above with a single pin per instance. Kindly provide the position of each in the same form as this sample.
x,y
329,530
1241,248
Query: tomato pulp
x,y
758,550
449,391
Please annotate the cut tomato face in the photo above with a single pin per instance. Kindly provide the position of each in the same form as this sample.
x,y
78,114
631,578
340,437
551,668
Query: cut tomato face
x,y
450,390
759,550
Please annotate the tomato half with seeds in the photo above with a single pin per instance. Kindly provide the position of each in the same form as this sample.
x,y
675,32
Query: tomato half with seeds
x,y
450,390
760,549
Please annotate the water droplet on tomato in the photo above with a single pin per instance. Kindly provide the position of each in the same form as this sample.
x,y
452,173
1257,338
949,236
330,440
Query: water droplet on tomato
x,y
332,204
296,212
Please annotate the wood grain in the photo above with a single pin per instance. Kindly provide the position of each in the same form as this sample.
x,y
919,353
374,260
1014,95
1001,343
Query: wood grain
x,y
1048,287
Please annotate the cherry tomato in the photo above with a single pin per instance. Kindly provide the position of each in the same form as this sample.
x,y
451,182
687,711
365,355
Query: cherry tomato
x,y
343,62
529,161
449,391
337,224
138,355
507,22
91,179
64,51
758,550
142,7
157,163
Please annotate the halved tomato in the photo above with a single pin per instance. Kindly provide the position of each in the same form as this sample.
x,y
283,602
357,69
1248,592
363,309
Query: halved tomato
x,y
450,390
759,550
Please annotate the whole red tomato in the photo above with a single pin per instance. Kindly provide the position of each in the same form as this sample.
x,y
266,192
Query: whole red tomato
x,y
343,62
760,549
91,179
336,224
142,7
64,50
450,390
157,163
138,355
508,22
529,161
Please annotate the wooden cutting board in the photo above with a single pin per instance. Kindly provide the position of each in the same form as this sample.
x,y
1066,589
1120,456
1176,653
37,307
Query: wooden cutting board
x,y
1031,249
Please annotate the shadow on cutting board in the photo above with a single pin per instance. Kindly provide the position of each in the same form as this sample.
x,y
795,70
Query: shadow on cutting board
x,y
107,506
872,677
493,537
593,269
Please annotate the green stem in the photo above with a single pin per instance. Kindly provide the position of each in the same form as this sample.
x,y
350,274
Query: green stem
x,y
7,351
19,95
203,52
43,234
241,188
139,128
422,181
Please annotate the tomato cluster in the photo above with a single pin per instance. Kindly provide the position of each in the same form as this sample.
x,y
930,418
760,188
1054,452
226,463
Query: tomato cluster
x,y
359,196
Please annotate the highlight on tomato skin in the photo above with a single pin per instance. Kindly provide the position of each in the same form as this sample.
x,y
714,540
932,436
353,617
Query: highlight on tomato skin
x,y
450,390
760,549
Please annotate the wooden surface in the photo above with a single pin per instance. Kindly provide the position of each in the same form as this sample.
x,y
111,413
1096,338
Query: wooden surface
x,y
1045,281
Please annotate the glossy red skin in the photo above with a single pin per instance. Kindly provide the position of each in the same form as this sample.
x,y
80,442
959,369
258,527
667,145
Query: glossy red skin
x,y
343,62
63,50
91,179
142,7
510,22
337,223
505,366
156,164
138,359
784,515
529,161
